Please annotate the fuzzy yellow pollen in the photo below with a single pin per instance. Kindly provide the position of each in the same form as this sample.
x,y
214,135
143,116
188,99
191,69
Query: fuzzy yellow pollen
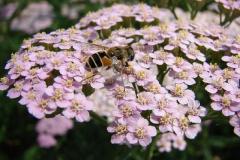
x,y
33,71
18,86
163,27
228,74
213,67
140,133
58,95
146,58
193,111
162,103
18,69
162,54
142,100
218,82
127,111
26,58
183,34
226,101
154,88
238,38
121,129
165,119
141,75
178,91
120,92
72,67
183,75
184,123
56,62
43,103
76,106
178,61
4,80
31,95
69,83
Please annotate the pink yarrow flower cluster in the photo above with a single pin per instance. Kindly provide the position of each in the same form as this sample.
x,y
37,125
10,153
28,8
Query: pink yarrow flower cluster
x,y
153,95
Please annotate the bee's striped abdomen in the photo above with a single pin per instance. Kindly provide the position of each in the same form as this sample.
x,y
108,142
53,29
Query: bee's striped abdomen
x,y
95,60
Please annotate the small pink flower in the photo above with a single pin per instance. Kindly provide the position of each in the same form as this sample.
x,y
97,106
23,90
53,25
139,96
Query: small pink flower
x,y
145,101
19,87
79,108
184,76
60,97
225,103
216,83
193,53
180,64
126,111
5,82
140,132
119,130
46,141
195,111
40,107
160,57
164,105
181,93
96,81
235,122
182,127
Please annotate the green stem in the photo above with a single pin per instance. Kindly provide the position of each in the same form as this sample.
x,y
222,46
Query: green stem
x,y
152,148
136,89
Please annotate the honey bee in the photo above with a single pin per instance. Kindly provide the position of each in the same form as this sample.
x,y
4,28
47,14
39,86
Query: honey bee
x,y
116,57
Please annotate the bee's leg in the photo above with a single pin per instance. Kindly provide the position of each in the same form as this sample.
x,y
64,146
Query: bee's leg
x,y
121,72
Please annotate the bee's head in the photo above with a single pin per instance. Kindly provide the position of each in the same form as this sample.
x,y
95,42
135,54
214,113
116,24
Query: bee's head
x,y
116,52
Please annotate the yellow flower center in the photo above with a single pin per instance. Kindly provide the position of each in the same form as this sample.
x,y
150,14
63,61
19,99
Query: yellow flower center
x,y
184,123
69,83
31,95
162,103
18,86
226,101
72,67
179,61
178,91
140,133
127,111
182,75
228,74
121,129
154,88
163,27
120,92
76,105
58,95
141,75
167,119
142,100
4,80
43,103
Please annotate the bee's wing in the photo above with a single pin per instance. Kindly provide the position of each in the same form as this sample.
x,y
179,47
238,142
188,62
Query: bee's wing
x,y
91,48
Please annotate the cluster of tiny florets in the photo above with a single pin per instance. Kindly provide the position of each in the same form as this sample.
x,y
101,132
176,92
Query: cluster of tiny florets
x,y
153,96
49,128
